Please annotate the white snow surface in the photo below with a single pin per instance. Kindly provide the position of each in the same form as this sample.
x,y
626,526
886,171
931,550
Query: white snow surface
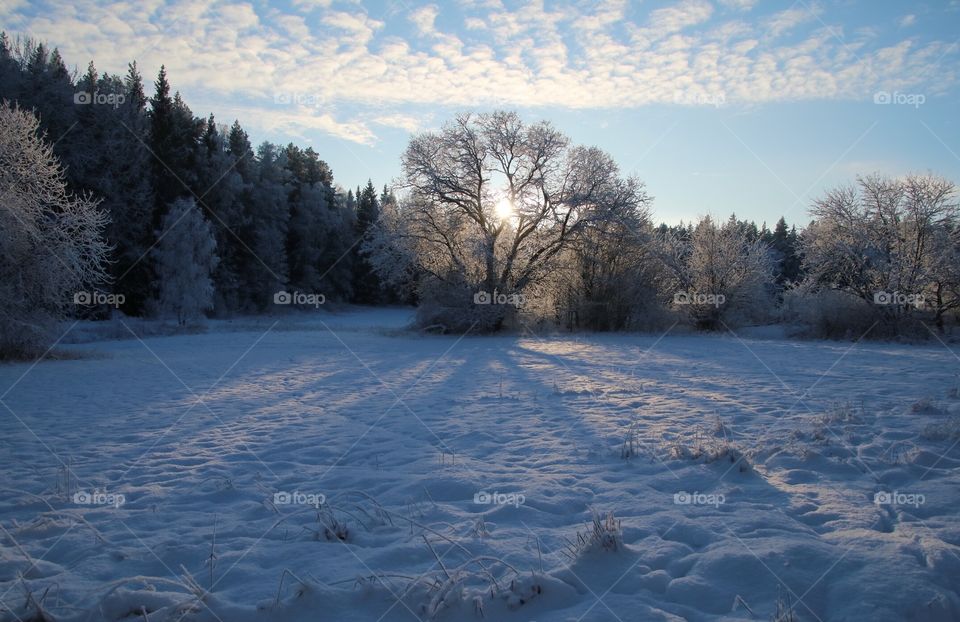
x,y
741,472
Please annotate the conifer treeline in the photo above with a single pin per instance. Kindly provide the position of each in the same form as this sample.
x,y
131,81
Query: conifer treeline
x,y
278,219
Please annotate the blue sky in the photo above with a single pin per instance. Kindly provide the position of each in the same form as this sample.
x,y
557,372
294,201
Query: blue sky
x,y
720,106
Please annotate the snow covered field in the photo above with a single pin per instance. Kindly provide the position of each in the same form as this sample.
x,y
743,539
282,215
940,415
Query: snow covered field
x,y
740,473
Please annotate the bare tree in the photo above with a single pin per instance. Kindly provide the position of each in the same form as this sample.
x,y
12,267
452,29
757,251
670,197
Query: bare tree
x,y
51,243
609,278
883,241
493,201
943,264
716,272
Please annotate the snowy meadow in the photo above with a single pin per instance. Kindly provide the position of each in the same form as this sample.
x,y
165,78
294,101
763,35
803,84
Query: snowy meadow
x,y
338,467
507,310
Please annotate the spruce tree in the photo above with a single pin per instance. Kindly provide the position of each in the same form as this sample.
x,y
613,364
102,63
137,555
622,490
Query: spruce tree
x,y
366,285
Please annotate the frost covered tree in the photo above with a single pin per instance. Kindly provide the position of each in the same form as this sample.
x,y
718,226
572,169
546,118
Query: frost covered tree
x,y
942,294
185,261
392,252
275,214
716,272
887,241
607,280
492,202
114,164
316,229
51,243
335,256
784,244
225,173
265,267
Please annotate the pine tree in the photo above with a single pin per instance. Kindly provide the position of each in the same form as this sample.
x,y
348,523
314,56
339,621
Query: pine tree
x,y
366,285
136,98
132,204
266,268
235,229
368,208
385,195
218,173
336,260
161,121
10,73
47,89
112,162
174,136
784,247
309,202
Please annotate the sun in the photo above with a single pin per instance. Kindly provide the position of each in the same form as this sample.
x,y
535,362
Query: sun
x,y
504,209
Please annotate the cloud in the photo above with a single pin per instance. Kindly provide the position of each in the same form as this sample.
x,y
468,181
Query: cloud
x,y
907,21
367,68
683,15
296,122
406,122
739,5
309,5
783,22
11,7
423,18
358,26
603,14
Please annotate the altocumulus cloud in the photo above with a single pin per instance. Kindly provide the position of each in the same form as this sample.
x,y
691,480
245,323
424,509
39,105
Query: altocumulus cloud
x,y
345,68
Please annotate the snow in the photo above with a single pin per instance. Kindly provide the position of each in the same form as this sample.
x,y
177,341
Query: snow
x,y
736,469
